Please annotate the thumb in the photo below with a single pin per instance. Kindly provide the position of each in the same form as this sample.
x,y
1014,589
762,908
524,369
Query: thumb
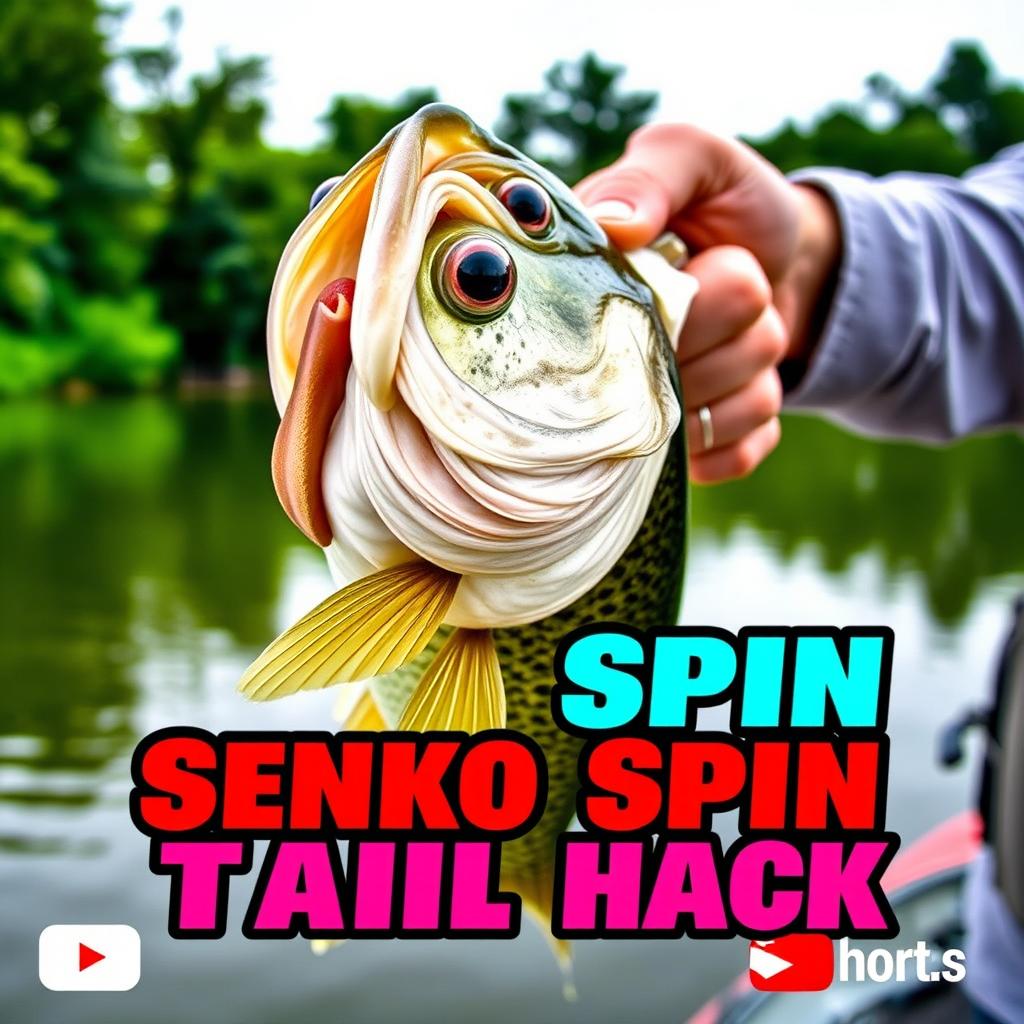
x,y
665,169
631,204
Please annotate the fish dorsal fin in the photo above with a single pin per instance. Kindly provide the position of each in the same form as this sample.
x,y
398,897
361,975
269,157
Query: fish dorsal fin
x,y
462,691
366,629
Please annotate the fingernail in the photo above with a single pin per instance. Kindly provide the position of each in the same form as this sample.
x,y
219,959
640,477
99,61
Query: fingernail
x,y
611,209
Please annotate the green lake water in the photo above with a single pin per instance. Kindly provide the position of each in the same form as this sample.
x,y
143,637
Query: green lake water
x,y
146,560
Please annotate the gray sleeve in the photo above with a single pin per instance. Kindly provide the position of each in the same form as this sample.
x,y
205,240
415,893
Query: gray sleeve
x,y
925,336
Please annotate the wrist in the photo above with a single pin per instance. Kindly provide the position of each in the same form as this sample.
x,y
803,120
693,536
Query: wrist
x,y
804,295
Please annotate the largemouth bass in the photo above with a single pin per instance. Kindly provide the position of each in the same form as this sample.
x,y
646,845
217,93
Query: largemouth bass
x,y
479,425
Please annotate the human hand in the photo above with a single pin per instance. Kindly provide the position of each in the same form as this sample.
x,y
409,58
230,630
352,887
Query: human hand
x,y
766,253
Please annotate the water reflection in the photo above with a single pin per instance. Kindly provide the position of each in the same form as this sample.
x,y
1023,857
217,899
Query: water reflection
x,y
139,524
127,525
947,516
146,561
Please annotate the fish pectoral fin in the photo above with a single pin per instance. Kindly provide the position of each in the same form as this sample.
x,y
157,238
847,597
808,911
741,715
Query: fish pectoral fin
x,y
366,629
462,690
358,712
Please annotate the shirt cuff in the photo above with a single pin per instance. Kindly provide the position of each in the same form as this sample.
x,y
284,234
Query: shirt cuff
x,y
855,355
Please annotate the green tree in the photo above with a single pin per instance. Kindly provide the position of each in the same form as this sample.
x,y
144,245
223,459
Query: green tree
x,y
991,113
51,74
52,80
580,121
355,124
26,191
843,137
76,212
201,264
224,102
115,224
963,116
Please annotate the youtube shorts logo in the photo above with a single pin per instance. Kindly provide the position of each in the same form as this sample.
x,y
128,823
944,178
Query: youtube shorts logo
x,y
89,957
793,963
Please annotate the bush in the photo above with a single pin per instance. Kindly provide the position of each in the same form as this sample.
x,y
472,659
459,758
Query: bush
x,y
117,345
30,363
120,343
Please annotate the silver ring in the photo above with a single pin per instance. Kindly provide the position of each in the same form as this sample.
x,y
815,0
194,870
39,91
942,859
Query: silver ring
x,y
707,431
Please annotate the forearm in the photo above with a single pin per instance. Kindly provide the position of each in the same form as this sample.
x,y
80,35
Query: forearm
x,y
924,332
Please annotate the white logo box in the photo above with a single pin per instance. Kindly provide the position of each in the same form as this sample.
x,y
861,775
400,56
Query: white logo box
x,y
118,971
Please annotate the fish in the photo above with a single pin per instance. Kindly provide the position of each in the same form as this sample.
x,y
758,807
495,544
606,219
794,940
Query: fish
x,y
480,416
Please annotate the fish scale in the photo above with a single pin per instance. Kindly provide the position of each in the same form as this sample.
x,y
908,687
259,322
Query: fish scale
x,y
643,588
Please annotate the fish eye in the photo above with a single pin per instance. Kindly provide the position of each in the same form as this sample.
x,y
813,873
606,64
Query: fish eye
x,y
322,189
477,277
528,203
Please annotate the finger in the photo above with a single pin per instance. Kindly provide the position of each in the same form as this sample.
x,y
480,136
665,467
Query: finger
x,y
729,366
736,460
733,292
737,414
628,201
665,168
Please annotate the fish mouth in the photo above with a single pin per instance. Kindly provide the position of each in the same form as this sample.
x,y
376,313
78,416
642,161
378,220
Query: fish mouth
x,y
612,400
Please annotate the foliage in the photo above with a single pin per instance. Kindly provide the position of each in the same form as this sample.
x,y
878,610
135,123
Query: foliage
x,y
231,200
26,190
991,113
120,343
962,117
117,344
76,213
918,140
138,243
580,122
30,363
200,264
355,124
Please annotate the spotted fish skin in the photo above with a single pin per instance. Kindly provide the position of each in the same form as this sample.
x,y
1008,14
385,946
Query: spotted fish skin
x,y
643,588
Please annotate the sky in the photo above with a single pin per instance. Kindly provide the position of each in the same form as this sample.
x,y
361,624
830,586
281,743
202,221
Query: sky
x,y
734,67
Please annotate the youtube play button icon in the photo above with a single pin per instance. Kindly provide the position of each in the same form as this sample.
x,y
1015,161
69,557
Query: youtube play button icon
x,y
792,963
89,957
